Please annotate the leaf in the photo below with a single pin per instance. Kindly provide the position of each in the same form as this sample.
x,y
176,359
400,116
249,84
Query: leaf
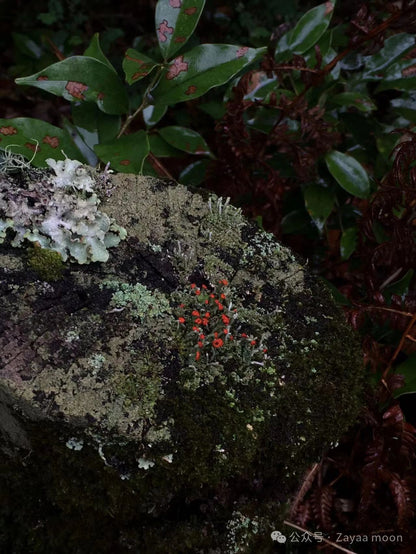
x,y
206,66
94,51
161,149
126,154
401,286
185,139
355,99
94,125
308,30
338,297
296,221
27,46
319,201
394,48
399,76
82,79
348,173
175,22
22,134
153,114
348,242
408,370
136,66
195,173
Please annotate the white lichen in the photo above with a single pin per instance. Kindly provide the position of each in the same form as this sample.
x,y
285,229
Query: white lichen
x,y
59,212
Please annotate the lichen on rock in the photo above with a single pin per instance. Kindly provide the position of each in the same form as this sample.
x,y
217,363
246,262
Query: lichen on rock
x,y
199,369
58,212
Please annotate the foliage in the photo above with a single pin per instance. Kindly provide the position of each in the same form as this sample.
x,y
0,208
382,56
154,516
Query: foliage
x,y
311,131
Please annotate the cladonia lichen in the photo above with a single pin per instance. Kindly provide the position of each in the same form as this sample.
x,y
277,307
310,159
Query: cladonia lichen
x,y
58,212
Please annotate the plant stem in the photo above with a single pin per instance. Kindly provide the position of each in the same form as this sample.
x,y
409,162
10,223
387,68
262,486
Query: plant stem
x,y
143,105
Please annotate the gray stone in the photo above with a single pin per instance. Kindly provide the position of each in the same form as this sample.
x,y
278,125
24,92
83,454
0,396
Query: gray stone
x,y
169,399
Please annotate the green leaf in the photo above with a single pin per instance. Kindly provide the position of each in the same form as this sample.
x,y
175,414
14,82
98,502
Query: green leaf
x,y
25,135
153,114
394,48
195,173
401,286
319,202
94,51
82,79
185,139
408,370
348,173
308,30
355,99
348,242
137,66
202,68
399,76
296,221
161,149
338,297
94,125
126,154
175,22
27,46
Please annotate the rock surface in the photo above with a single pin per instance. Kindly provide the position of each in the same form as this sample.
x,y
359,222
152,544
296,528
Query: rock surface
x,y
169,399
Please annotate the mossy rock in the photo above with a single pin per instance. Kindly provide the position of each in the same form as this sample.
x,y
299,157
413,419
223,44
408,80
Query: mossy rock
x,y
169,399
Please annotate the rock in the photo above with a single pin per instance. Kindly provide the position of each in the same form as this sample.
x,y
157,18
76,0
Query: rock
x,y
169,399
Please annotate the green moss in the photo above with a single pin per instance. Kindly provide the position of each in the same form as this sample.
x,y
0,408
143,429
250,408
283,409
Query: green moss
x,y
47,264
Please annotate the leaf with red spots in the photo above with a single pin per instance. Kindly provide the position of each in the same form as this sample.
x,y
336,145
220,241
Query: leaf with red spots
x,y
185,139
206,66
126,154
85,79
137,65
175,22
25,136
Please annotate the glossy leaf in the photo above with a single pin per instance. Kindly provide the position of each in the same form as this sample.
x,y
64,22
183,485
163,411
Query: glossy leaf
x,y
153,114
206,66
348,242
348,173
175,22
94,51
399,76
308,30
25,136
136,66
408,370
338,297
195,173
126,154
82,79
319,202
354,99
185,139
401,286
160,148
394,48
94,125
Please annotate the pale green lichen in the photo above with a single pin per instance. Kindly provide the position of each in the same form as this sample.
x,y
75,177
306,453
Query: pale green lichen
x,y
138,299
59,212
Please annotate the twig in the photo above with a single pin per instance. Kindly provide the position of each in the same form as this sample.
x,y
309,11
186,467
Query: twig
x,y
318,537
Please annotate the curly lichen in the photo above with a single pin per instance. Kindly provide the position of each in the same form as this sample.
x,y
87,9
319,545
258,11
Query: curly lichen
x,y
58,212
